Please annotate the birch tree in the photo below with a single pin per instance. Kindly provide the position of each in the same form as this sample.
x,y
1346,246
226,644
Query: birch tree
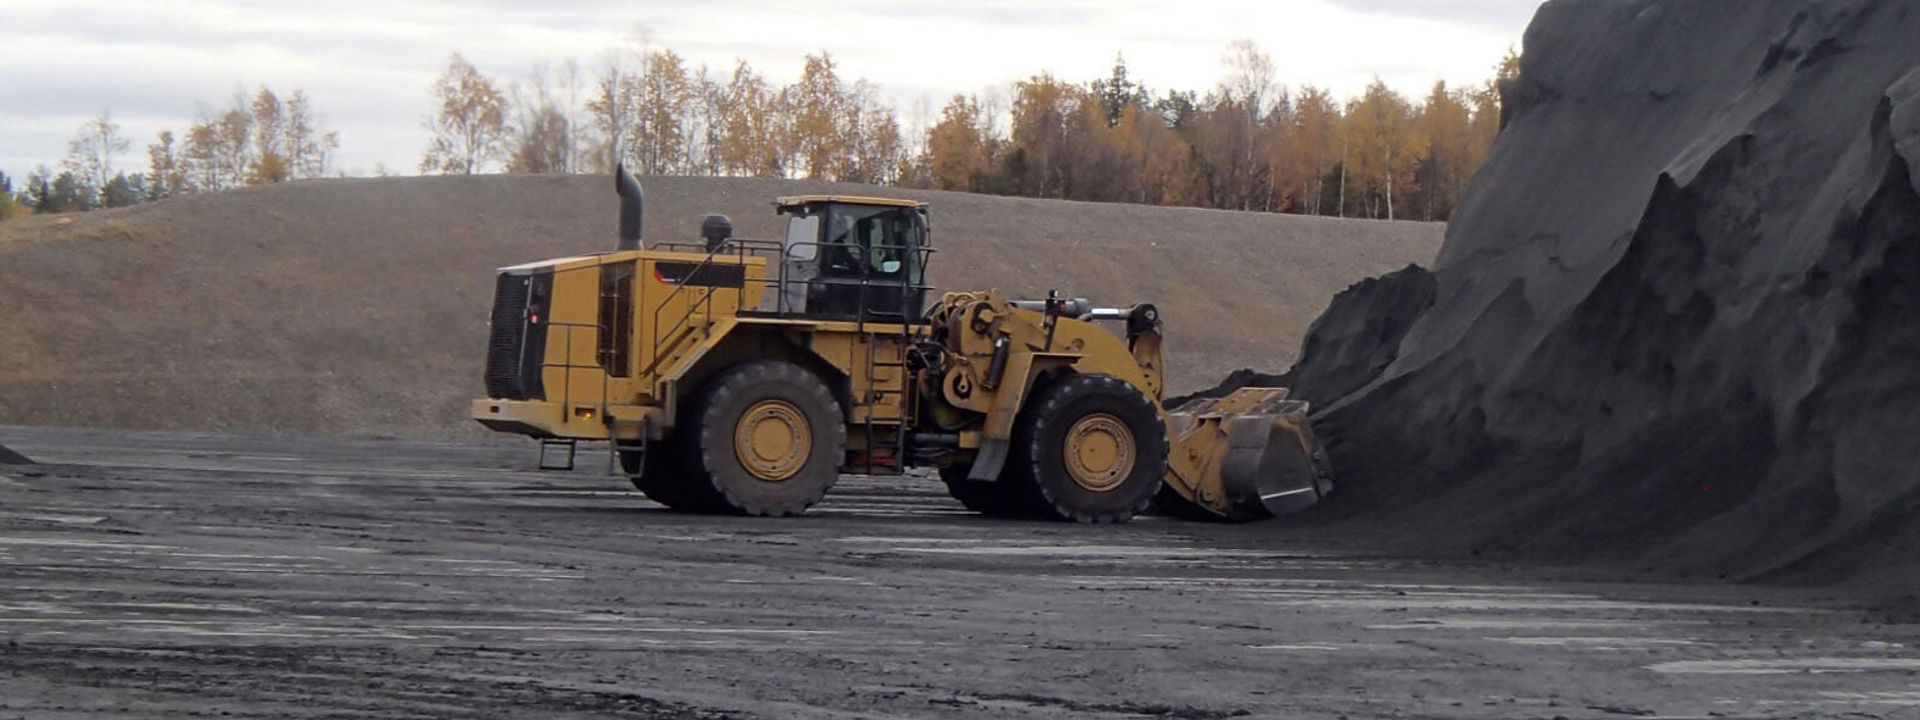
x,y
469,122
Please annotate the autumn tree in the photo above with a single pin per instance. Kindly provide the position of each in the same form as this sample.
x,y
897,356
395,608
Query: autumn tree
x,y
879,153
272,159
1386,147
309,145
662,99
256,140
1167,168
540,135
1094,165
1446,123
706,122
1488,117
233,149
748,141
1237,130
540,141
1247,143
165,175
820,110
469,124
1304,148
611,103
91,153
1226,153
200,157
10,205
600,149
960,146
1036,157
217,150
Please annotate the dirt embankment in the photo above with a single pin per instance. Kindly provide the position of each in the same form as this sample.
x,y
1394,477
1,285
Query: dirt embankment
x,y
1673,324
360,306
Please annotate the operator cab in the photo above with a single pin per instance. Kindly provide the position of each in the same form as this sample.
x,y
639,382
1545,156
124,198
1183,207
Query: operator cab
x,y
854,258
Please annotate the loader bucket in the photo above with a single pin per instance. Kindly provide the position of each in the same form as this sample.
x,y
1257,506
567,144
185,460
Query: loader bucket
x,y
1247,456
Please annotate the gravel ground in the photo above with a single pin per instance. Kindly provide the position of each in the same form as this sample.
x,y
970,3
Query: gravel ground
x,y
190,574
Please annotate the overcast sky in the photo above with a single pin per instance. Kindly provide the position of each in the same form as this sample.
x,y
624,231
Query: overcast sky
x,y
367,65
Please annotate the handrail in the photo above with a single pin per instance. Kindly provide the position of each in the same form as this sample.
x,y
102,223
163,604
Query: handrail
x,y
776,252
706,299
668,338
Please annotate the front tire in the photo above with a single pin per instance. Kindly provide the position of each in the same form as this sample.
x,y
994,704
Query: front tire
x,y
768,437
993,499
665,479
1094,449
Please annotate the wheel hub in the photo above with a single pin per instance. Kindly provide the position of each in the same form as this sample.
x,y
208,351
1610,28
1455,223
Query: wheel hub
x,y
772,440
1099,453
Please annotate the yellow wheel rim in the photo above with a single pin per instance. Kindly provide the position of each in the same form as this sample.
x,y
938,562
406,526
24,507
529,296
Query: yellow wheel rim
x,y
772,440
1099,452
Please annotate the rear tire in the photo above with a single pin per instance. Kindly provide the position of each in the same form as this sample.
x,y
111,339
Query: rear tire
x,y
1093,449
768,438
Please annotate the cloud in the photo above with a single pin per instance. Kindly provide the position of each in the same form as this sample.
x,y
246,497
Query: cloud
x,y
1498,15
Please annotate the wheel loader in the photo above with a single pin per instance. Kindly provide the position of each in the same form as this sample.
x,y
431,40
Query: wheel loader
x,y
734,375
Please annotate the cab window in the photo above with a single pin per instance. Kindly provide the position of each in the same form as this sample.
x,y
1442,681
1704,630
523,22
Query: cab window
x,y
874,242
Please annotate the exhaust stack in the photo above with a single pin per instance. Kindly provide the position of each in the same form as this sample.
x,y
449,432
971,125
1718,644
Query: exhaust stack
x,y
630,207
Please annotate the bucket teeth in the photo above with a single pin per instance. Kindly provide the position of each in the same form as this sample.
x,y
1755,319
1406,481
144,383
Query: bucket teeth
x,y
1247,456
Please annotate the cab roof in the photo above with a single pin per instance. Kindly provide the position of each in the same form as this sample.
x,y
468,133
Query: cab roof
x,y
798,200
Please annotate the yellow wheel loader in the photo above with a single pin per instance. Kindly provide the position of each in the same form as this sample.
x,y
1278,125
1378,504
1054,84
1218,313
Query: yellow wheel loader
x,y
735,375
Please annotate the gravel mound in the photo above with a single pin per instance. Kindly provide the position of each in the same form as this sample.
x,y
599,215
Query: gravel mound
x,y
360,305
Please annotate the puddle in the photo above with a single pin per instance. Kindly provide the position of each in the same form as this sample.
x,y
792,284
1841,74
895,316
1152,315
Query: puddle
x,y
882,540
208,607
1595,643
1541,624
59,519
69,542
1785,666
41,608
242,556
1081,551
1483,603
1909,698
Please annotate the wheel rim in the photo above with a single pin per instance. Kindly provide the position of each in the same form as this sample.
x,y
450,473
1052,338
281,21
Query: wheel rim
x,y
772,440
1099,453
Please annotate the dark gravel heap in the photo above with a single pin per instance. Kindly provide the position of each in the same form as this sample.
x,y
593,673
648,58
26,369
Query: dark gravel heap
x,y
1676,322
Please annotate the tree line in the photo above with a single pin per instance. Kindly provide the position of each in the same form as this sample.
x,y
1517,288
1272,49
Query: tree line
x,y
1245,144
259,139
663,116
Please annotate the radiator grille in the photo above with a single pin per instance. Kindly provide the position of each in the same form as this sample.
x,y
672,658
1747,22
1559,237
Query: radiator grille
x,y
513,370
